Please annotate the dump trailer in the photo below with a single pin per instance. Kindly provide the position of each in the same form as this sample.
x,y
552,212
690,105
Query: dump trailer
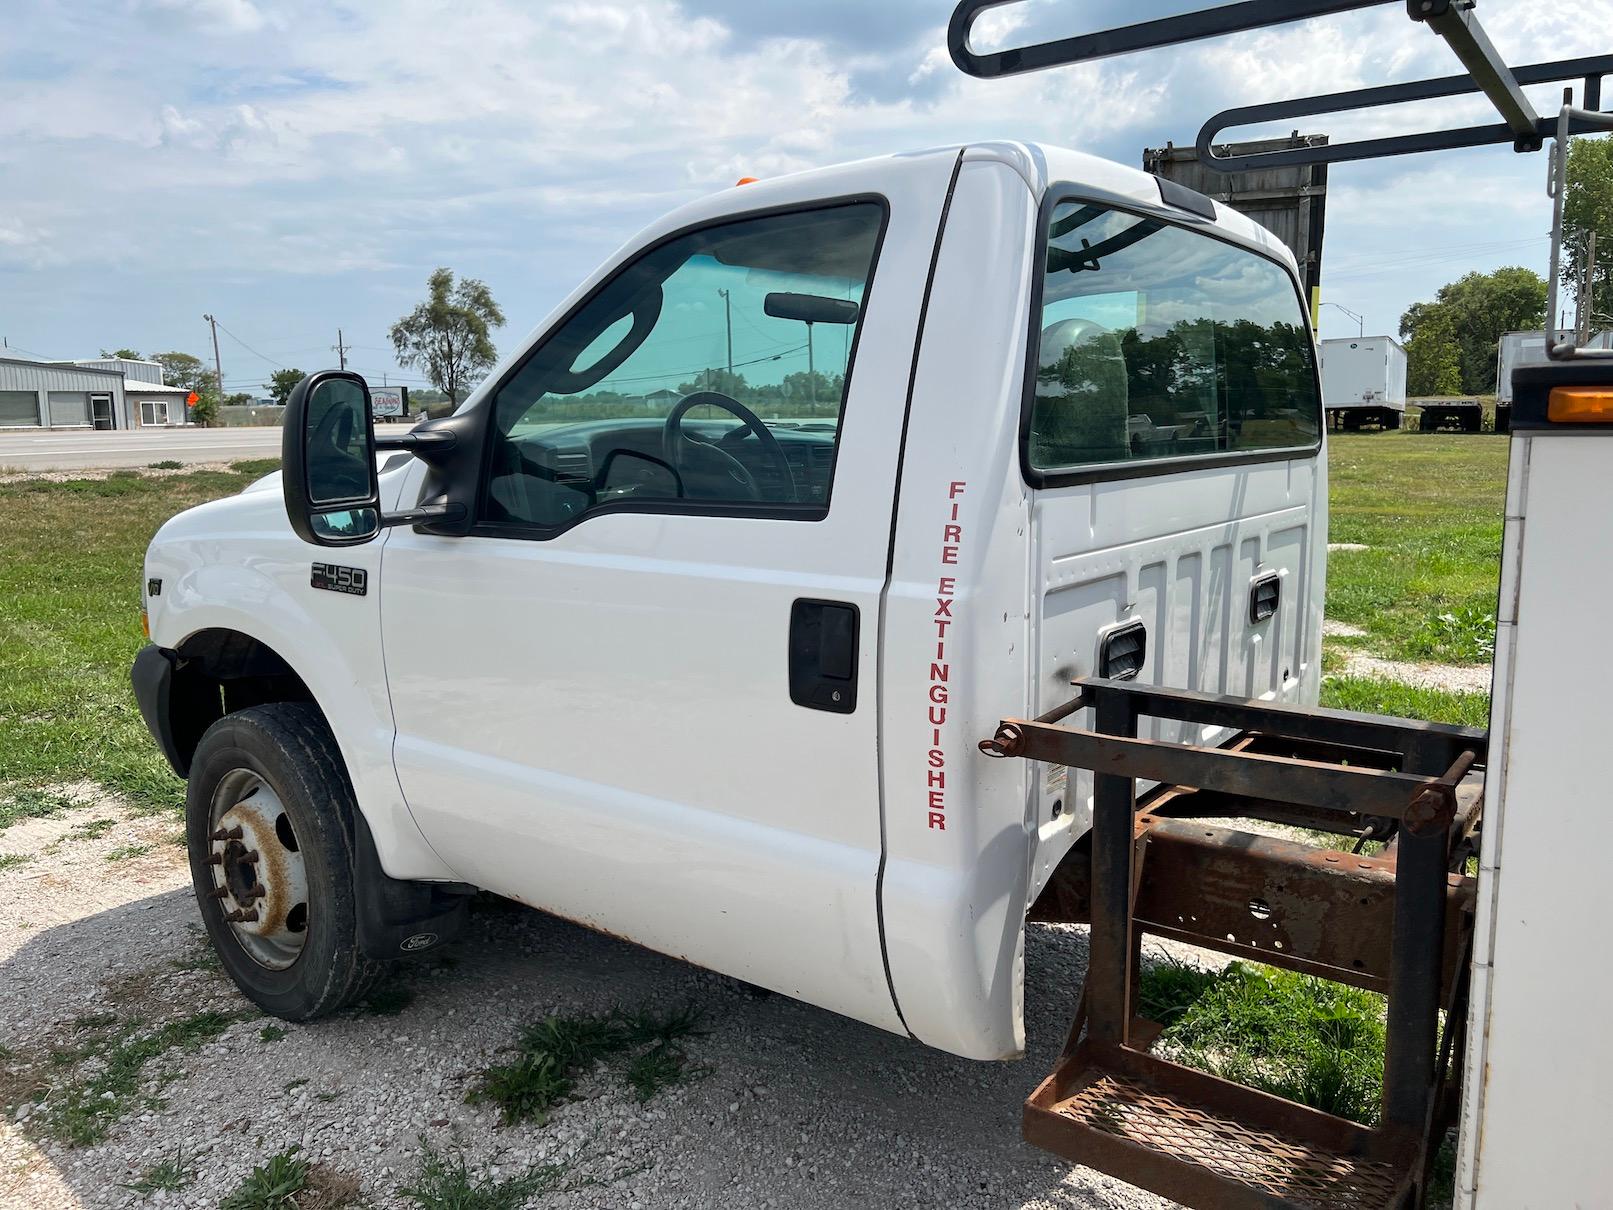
x,y
1364,382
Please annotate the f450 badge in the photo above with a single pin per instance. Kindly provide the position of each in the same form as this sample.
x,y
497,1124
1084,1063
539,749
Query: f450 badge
x,y
333,577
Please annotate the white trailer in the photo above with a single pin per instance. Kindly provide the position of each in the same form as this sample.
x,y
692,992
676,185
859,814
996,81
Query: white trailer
x,y
1364,381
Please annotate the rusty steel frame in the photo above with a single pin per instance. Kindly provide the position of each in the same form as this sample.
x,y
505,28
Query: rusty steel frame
x,y
1397,922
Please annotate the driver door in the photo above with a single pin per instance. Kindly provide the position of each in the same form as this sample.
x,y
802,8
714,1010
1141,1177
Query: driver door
x,y
593,692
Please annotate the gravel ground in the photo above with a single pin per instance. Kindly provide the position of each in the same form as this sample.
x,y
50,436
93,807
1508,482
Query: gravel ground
x,y
791,1107
1454,678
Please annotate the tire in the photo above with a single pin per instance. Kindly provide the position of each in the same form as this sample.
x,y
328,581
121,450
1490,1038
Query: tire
x,y
269,796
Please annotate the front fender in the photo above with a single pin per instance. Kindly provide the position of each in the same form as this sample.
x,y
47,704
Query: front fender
x,y
234,564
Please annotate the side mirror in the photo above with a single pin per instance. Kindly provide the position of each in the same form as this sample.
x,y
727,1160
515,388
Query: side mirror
x,y
332,489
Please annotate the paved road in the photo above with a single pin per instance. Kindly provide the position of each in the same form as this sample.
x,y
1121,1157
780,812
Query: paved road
x,y
82,450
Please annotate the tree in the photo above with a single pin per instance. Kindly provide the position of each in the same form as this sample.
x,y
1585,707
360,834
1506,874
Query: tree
x,y
183,370
1432,365
1471,314
1588,207
205,410
238,400
123,354
448,335
281,383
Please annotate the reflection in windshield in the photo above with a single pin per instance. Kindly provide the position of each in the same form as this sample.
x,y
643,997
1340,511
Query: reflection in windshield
x,y
1159,342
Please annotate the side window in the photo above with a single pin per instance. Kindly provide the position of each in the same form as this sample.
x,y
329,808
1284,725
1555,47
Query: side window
x,y
710,372
1158,342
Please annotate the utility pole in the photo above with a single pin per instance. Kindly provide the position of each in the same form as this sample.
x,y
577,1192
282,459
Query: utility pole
x,y
218,366
341,349
812,373
1585,312
728,316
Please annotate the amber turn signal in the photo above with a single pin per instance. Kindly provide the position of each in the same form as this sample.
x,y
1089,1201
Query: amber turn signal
x,y
145,623
1580,405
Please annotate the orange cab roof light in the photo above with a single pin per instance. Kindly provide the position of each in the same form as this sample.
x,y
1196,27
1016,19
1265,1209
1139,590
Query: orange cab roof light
x,y
1580,405
745,180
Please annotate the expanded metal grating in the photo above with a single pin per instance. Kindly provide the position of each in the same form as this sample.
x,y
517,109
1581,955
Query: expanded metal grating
x,y
1263,1161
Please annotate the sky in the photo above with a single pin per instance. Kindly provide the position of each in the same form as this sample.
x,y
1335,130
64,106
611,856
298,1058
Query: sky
x,y
295,168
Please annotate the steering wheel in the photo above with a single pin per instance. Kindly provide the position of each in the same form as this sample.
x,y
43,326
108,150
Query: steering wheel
x,y
679,446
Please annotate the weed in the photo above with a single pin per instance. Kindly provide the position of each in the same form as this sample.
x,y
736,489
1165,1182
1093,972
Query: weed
x,y
93,829
255,467
167,464
23,804
272,1185
271,1033
449,1184
169,1176
10,861
129,851
1299,1037
1465,636
293,1085
387,1000
553,1053
83,1112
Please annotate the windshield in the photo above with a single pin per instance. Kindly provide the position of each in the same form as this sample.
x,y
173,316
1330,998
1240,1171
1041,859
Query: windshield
x,y
1159,342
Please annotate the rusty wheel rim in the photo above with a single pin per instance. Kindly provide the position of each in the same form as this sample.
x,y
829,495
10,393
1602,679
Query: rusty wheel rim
x,y
260,880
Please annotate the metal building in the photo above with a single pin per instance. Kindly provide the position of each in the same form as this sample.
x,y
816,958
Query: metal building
x,y
99,393
38,394
151,401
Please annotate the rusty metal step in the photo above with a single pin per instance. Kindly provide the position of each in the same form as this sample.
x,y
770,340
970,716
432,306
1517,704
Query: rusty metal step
x,y
1208,1142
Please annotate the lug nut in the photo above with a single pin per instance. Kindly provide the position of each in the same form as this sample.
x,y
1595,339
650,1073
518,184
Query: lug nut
x,y
240,917
234,833
215,859
257,892
218,892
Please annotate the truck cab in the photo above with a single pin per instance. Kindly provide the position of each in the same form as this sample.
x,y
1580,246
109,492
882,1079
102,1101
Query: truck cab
x,y
687,623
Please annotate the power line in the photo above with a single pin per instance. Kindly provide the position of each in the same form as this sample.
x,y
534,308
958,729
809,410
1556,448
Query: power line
x,y
250,349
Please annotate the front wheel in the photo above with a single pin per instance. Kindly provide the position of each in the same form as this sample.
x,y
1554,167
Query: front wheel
x,y
269,824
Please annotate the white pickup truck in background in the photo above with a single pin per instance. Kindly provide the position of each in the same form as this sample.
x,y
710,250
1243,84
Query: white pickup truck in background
x,y
691,638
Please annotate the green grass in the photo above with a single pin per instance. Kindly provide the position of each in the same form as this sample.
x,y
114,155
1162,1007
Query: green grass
x,y
168,1176
10,861
70,582
129,851
271,1033
272,1185
1429,506
1295,1036
1370,695
167,464
450,1184
28,803
555,1052
80,1112
91,829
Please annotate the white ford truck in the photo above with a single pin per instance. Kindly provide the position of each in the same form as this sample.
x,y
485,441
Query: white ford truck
x,y
686,625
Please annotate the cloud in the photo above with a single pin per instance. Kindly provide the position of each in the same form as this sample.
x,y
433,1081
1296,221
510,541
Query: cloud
x,y
263,146
208,16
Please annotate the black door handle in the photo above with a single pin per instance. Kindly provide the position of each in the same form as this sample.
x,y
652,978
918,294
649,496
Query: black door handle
x,y
823,655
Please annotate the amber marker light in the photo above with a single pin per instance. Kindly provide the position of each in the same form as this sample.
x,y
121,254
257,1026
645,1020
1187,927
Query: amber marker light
x,y
1580,405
